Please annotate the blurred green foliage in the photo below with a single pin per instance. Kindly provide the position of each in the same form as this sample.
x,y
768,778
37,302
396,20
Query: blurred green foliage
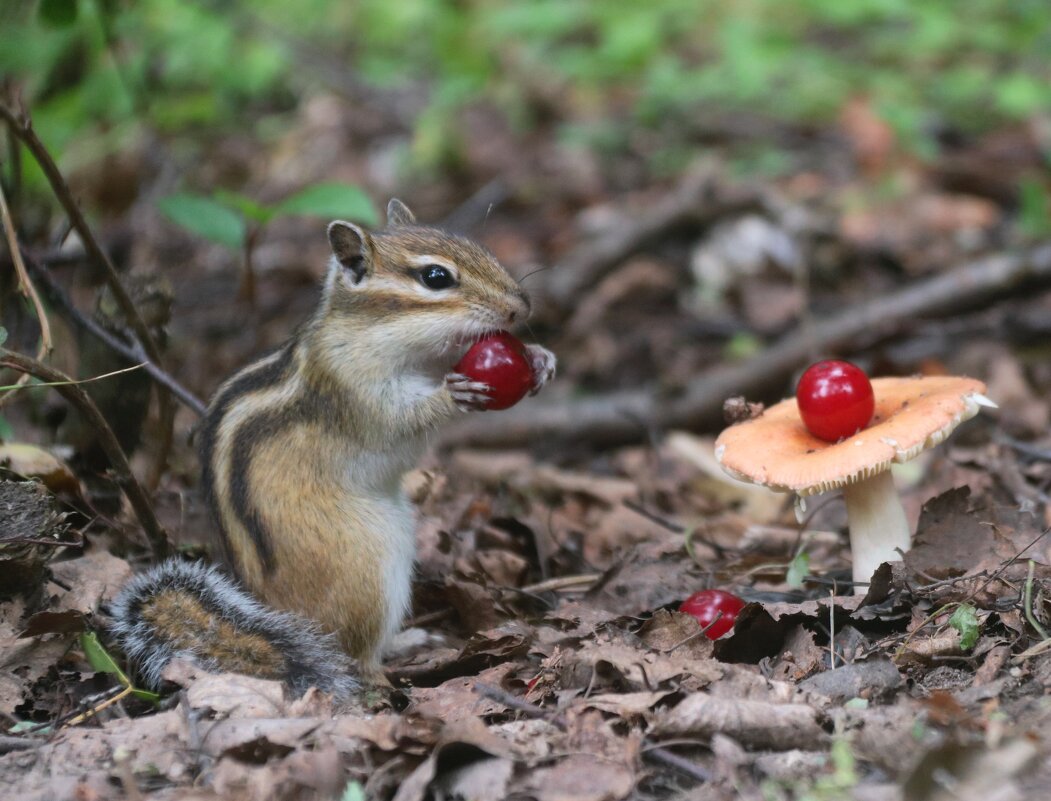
x,y
96,70
222,218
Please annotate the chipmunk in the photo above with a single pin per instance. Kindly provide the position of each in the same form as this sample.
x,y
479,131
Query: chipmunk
x,y
303,453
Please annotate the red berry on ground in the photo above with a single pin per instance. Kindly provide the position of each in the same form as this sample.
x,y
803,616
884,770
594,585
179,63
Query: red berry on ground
x,y
835,399
499,360
707,604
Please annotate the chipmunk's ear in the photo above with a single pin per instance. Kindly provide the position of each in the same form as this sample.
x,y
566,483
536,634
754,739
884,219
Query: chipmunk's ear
x,y
352,247
399,214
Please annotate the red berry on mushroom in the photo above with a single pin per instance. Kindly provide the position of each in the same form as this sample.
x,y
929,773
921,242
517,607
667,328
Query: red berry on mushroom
x,y
835,399
706,605
499,360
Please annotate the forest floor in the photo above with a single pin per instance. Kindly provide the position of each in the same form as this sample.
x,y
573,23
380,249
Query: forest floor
x,y
557,540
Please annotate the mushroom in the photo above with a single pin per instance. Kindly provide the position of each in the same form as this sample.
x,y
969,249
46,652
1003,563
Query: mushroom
x,y
911,415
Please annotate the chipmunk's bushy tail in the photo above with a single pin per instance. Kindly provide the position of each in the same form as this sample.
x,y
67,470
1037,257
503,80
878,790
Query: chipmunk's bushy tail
x,y
193,611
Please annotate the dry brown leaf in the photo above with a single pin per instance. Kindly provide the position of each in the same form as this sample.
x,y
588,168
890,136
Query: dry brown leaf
x,y
580,777
638,704
649,576
231,695
318,773
92,579
639,668
31,461
456,698
470,741
800,656
754,724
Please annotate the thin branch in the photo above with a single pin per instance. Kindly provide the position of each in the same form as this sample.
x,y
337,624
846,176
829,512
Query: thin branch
x,y
123,475
25,285
58,298
22,127
697,201
612,418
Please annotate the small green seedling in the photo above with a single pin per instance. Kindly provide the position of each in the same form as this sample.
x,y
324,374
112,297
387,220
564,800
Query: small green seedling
x,y
965,621
100,659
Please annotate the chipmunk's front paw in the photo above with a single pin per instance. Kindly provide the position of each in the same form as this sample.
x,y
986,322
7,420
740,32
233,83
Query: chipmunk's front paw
x,y
543,363
468,395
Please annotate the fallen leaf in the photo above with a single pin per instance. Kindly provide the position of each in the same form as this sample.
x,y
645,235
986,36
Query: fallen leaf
x,y
754,724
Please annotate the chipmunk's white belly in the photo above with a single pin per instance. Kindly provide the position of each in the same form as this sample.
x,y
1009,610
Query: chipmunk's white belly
x,y
388,518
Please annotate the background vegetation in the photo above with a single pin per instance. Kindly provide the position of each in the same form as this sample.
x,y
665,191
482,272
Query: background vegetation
x,y
617,75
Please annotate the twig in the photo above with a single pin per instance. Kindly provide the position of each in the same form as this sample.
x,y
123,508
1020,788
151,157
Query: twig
x,y
90,713
945,607
22,127
123,475
696,634
654,752
58,298
25,286
1040,648
832,627
10,743
1029,604
609,419
673,760
695,202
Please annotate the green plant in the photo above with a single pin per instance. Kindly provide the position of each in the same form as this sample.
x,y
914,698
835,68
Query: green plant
x,y
237,221
98,71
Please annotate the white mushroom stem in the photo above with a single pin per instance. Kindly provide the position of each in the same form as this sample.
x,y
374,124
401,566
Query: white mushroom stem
x,y
878,528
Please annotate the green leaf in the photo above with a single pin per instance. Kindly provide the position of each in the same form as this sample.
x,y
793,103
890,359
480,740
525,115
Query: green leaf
x,y
253,210
29,725
100,660
1035,208
58,13
205,217
332,200
7,433
353,792
3,335
687,542
798,569
965,621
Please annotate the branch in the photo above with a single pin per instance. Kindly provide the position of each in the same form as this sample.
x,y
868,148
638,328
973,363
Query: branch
x,y
25,285
22,127
125,479
697,201
58,298
620,417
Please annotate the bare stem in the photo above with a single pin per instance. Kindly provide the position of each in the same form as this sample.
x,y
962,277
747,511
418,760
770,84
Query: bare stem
x,y
123,475
25,285
21,126
58,298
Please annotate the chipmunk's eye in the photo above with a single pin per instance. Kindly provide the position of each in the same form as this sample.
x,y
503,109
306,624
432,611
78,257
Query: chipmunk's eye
x,y
434,276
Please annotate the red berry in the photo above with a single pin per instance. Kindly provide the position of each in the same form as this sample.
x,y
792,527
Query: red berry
x,y
500,361
706,604
835,399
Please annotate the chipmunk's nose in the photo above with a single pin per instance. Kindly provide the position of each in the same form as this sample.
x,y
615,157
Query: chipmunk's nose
x,y
520,307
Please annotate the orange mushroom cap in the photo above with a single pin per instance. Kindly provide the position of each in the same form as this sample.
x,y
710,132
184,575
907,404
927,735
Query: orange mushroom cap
x,y
911,415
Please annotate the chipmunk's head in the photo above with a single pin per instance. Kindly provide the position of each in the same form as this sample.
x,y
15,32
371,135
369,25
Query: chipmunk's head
x,y
410,282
